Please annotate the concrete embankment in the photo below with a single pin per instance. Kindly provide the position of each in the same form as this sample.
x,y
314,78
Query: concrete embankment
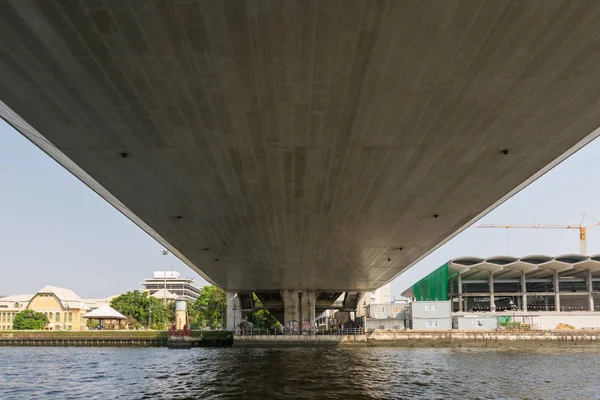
x,y
482,339
299,340
108,338
452,339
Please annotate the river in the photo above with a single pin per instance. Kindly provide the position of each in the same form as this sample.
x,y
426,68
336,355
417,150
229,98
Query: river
x,y
339,373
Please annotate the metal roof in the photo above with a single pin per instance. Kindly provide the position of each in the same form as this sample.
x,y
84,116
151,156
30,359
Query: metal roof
x,y
538,266
105,312
67,297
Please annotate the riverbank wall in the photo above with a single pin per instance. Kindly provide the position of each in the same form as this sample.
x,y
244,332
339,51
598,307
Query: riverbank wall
x,y
109,338
299,340
448,339
417,339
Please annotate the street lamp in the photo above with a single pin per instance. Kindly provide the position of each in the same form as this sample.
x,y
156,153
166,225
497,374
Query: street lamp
x,y
165,253
234,309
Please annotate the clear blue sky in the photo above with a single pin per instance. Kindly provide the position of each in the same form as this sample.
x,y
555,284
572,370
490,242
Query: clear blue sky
x,y
56,231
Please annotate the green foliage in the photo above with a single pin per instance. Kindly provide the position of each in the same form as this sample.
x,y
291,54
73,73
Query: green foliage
x,y
262,319
139,308
510,325
194,316
29,319
209,310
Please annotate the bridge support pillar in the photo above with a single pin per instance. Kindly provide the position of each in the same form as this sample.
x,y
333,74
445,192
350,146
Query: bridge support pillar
x,y
298,306
234,311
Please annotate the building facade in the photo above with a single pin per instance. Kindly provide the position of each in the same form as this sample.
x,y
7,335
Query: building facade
x,y
175,285
63,308
537,291
430,315
378,296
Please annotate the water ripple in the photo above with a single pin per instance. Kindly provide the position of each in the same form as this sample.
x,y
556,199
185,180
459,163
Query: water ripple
x,y
342,373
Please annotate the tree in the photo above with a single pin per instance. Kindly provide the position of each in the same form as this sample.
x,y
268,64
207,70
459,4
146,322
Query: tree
x,y
262,319
194,316
29,319
210,309
142,309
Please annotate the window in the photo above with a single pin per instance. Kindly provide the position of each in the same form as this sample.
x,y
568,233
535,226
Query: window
x,y
430,307
70,317
3,317
431,324
57,317
50,317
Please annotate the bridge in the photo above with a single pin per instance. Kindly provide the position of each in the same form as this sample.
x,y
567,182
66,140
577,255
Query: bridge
x,y
300,150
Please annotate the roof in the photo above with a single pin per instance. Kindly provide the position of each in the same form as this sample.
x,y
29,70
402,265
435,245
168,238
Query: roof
x,y
21,298
67,297
160,294
96,303
535,266
105,312
166,275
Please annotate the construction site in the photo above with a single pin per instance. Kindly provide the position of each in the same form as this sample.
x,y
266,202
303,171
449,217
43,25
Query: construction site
x,y
531,292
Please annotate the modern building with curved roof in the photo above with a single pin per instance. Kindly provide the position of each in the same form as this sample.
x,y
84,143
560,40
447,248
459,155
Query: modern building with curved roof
x,y
565,283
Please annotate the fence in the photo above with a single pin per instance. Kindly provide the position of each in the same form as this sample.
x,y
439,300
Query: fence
x,y
312,332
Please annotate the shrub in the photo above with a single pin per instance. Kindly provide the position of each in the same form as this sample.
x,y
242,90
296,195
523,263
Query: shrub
x,y
29,319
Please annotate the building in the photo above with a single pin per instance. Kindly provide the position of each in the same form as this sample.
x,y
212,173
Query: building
x,y
475,322
386,310
161,294
430,315
63,308
385,316
378,296
10,306
538,291
175,285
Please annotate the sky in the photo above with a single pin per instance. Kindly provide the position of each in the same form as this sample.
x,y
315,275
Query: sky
x,y
55,231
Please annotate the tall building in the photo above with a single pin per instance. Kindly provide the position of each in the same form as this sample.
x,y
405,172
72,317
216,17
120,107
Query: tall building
x,y
176,285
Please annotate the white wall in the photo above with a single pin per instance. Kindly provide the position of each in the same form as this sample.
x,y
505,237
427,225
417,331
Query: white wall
x,y
382,295
578,320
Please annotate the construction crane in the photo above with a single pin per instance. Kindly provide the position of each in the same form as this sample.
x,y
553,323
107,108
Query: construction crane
x,y
582,230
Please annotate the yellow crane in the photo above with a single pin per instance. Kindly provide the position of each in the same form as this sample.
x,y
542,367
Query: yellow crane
x,y
582,229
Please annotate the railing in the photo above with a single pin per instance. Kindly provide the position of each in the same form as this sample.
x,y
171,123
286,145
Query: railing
x,y
284,332
179,332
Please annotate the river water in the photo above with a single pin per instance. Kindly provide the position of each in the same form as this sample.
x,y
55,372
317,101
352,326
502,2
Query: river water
x,y
340,373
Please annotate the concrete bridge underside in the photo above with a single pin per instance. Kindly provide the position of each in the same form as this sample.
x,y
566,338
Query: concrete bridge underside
x,y
310,145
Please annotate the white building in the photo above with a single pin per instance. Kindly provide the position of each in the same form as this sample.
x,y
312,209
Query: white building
x,y
175,285
378,296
